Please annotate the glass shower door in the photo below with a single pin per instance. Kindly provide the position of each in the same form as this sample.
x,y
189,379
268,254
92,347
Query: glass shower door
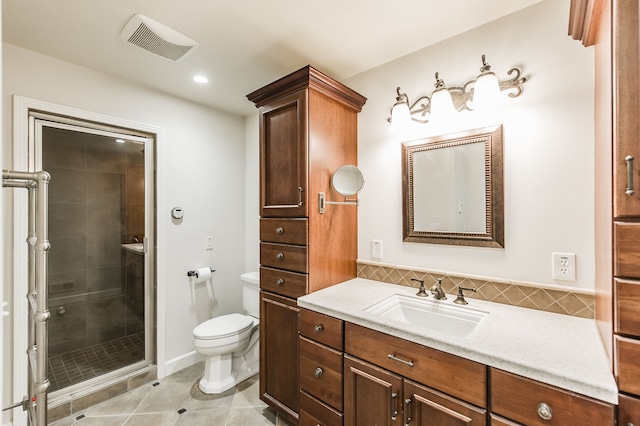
x,y
97,262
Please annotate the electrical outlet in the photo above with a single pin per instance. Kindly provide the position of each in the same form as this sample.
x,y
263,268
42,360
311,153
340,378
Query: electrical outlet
x,y
564,266
208,243
376,249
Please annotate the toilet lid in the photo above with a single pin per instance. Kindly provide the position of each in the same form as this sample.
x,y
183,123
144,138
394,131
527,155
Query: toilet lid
x,y
223,326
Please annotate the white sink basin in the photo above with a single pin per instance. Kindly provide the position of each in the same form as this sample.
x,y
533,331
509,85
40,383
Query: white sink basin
x,y
442,316
137,248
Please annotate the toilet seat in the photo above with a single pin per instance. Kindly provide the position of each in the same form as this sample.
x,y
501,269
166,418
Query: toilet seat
x,y
223,326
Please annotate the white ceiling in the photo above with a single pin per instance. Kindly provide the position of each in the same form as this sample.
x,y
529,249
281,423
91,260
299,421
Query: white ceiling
x,y
244,44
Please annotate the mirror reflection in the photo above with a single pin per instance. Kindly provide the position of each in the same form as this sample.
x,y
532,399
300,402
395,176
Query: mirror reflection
x,y
452,189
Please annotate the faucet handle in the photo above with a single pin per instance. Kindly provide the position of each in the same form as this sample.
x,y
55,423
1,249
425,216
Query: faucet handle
x,y
422,292
460,299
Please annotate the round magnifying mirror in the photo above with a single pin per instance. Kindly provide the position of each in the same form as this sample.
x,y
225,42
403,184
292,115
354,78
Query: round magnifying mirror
x,y
347,180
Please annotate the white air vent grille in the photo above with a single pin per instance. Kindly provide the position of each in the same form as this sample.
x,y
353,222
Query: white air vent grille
x,y
157,38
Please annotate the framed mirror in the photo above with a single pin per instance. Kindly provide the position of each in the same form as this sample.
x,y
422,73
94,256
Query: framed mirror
x,y
452,189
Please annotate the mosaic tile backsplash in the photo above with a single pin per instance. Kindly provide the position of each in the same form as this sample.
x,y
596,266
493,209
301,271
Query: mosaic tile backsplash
x,y
522,295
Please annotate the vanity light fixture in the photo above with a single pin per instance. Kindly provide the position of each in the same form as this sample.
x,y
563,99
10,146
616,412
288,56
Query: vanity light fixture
x,y
445,102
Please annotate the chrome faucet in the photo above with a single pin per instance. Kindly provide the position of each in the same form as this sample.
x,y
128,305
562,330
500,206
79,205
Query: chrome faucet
x,y
437,291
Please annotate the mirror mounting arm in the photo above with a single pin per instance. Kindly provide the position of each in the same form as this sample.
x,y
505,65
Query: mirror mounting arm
x,y
322,202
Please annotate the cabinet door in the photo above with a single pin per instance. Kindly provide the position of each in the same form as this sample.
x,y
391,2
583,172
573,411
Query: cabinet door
x,y
283,156
372,396
425,406
626,45
279,354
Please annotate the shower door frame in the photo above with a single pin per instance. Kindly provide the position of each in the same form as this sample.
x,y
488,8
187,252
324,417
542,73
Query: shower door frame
x,y
24,159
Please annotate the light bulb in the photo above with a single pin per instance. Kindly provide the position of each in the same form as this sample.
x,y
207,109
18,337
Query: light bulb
x,y
486,91
400,117
442,108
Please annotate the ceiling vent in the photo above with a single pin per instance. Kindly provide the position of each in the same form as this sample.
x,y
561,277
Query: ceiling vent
x,y
157,38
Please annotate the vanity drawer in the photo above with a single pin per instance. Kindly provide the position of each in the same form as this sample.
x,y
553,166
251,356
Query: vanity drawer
x,y
448,373
321,328
316,413
321,372
627,304
520,399
628,410
290,284
284,256
288,231
626,237
627,354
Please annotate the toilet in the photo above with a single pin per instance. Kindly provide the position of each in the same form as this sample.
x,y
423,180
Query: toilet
x,y
229,342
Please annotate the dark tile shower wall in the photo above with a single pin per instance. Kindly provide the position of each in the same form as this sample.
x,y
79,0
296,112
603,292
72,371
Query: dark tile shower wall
x,y
96,200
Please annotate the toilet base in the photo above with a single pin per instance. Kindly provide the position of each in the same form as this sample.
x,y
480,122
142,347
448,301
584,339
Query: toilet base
x,y
222,372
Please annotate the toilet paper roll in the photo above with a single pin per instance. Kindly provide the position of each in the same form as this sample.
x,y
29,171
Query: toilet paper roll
x,y
203,274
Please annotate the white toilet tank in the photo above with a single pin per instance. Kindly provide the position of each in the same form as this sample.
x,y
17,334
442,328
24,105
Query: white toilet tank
x,y
251,293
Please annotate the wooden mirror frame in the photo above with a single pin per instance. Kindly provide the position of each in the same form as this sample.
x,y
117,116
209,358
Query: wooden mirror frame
x,y
494,235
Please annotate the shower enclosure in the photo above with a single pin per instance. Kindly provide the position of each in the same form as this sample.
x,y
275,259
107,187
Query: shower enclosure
x,y
98,262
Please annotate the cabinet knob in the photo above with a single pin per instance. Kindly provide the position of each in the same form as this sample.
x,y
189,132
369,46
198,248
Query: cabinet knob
x,y
318,372
279,281
544,411
318,328
279,230
280,256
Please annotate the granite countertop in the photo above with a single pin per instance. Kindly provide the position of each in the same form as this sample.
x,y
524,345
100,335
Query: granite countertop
x,y
559,350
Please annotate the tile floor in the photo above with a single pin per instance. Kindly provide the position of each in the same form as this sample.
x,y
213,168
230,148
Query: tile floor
x,y
86,363
176,400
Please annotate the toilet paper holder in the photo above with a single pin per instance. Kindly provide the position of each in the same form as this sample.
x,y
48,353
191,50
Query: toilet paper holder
x,y
195,273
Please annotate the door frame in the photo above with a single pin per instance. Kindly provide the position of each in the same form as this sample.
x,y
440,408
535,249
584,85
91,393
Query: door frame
x,y
21,161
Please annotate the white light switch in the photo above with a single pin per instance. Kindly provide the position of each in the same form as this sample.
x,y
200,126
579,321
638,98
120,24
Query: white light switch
x,y
208,243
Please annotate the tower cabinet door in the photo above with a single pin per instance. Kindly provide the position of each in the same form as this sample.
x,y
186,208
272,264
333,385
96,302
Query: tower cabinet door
x,y
283,157
279,381
372,396
626,147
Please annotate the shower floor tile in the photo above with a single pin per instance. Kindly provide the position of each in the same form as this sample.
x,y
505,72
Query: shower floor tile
x,y
75,367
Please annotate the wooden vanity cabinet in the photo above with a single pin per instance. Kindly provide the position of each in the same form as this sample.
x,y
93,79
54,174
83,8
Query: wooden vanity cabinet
x,y
394,381
612,26
308,128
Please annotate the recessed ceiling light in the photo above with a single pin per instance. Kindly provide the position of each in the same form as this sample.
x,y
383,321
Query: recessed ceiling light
x,y
200,79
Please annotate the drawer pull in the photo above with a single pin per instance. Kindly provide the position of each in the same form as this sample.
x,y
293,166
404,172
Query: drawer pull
x,y
279,230
318,328
407,412
629,160
394,405
544,411
279,282
395,358
318,372
280,256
